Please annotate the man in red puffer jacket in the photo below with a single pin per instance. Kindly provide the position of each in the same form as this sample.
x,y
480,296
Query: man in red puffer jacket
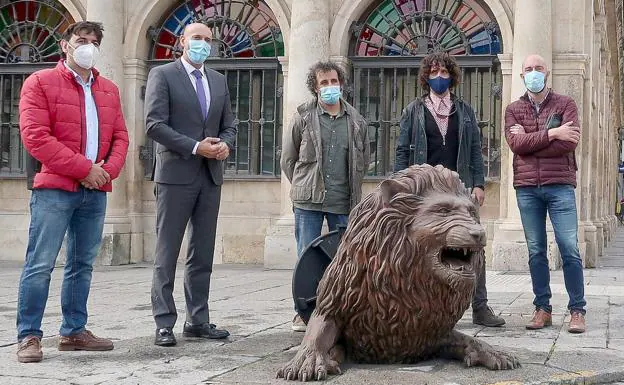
x,y
71,122
542,130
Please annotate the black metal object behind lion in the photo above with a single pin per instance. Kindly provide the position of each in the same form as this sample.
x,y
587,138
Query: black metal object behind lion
x,y
310,269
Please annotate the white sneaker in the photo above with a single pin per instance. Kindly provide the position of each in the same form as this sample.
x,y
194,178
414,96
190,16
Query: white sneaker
x,y
298,325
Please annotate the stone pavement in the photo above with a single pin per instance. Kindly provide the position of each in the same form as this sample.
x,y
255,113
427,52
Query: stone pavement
x,y
614,254
255,305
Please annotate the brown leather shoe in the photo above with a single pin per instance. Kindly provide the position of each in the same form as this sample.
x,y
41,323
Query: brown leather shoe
x,y
577,322
29,350
84,341
541,318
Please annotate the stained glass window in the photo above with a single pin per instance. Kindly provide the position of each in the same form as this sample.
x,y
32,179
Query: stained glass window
x,y
419,27
30,30
241,29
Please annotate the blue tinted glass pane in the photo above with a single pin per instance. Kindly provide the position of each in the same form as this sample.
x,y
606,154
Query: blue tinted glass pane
x,y
172,25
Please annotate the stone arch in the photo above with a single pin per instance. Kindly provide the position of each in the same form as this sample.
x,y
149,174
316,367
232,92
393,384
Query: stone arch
x,y
351,11
150,12
75,8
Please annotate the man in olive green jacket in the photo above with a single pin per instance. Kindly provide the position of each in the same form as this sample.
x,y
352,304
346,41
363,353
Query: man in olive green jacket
x,y
325,158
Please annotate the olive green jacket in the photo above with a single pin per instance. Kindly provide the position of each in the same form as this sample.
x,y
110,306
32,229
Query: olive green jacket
x,y
302,162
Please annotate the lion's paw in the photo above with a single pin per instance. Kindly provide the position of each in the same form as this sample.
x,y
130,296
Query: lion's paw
x,y
491,359
309,366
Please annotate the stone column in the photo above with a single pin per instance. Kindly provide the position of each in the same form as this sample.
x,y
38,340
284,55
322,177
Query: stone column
x,y
590,162
569,72
309,43
612,140
135,77
285,206
587,148
509,251
599,84
607,166
116,240
507,198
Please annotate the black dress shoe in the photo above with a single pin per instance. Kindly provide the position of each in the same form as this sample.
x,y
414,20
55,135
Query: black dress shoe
x,y
165,337
204,331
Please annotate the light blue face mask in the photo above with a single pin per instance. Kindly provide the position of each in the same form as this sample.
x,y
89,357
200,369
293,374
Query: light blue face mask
x,y
535,81
198,51
331,94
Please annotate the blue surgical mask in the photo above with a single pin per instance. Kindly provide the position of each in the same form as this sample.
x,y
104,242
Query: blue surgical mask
x,y
198,51
439,85
330,94
535,81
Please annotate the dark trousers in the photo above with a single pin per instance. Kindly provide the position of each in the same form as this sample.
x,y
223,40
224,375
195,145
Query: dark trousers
x,y
479,300
176,205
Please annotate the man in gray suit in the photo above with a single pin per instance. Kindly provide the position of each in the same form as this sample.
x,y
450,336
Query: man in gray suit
x,y
188,114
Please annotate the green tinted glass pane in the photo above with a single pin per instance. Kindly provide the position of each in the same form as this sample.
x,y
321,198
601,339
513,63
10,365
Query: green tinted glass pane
x,y
4,19
49,17
280,45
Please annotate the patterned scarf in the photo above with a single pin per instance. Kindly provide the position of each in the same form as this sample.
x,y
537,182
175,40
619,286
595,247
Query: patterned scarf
x,y
440,108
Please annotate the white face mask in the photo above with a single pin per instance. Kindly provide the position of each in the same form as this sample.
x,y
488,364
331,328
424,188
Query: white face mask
x,y
86,55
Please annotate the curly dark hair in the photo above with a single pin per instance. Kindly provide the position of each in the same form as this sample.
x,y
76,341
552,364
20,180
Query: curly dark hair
x,y
323,67
440,59
84,26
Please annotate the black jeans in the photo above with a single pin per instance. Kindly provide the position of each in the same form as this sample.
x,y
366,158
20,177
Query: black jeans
x,y
479,300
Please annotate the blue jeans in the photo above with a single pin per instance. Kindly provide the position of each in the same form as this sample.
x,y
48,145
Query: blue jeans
x,y
54,213
308,225
560,203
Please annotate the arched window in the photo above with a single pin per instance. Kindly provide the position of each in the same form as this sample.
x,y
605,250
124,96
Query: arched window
x,y
29,34
247,43
418,27
386,48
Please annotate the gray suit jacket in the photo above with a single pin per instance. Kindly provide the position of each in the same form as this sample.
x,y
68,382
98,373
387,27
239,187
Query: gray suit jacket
x,y
174,121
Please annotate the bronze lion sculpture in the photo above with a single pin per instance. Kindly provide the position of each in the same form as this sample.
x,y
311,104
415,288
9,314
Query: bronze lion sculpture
x,y
402,277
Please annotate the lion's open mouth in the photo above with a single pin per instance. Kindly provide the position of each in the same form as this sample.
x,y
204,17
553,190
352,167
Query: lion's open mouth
x,y
459,259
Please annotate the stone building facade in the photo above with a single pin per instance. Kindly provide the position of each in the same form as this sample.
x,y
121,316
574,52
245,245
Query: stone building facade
x,y
265,48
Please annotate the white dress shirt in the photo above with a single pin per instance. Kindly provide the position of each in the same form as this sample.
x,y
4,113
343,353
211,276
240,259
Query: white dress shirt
x,y
189,70
91,116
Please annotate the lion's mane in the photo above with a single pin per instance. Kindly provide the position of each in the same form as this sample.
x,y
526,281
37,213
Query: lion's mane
x,y
378,286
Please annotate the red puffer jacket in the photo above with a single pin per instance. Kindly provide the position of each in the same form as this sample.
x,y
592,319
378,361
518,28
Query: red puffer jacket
x,y
53,127
538,161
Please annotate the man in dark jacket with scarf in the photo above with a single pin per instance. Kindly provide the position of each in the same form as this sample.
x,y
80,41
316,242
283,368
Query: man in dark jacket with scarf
x,y
440,128
542,130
